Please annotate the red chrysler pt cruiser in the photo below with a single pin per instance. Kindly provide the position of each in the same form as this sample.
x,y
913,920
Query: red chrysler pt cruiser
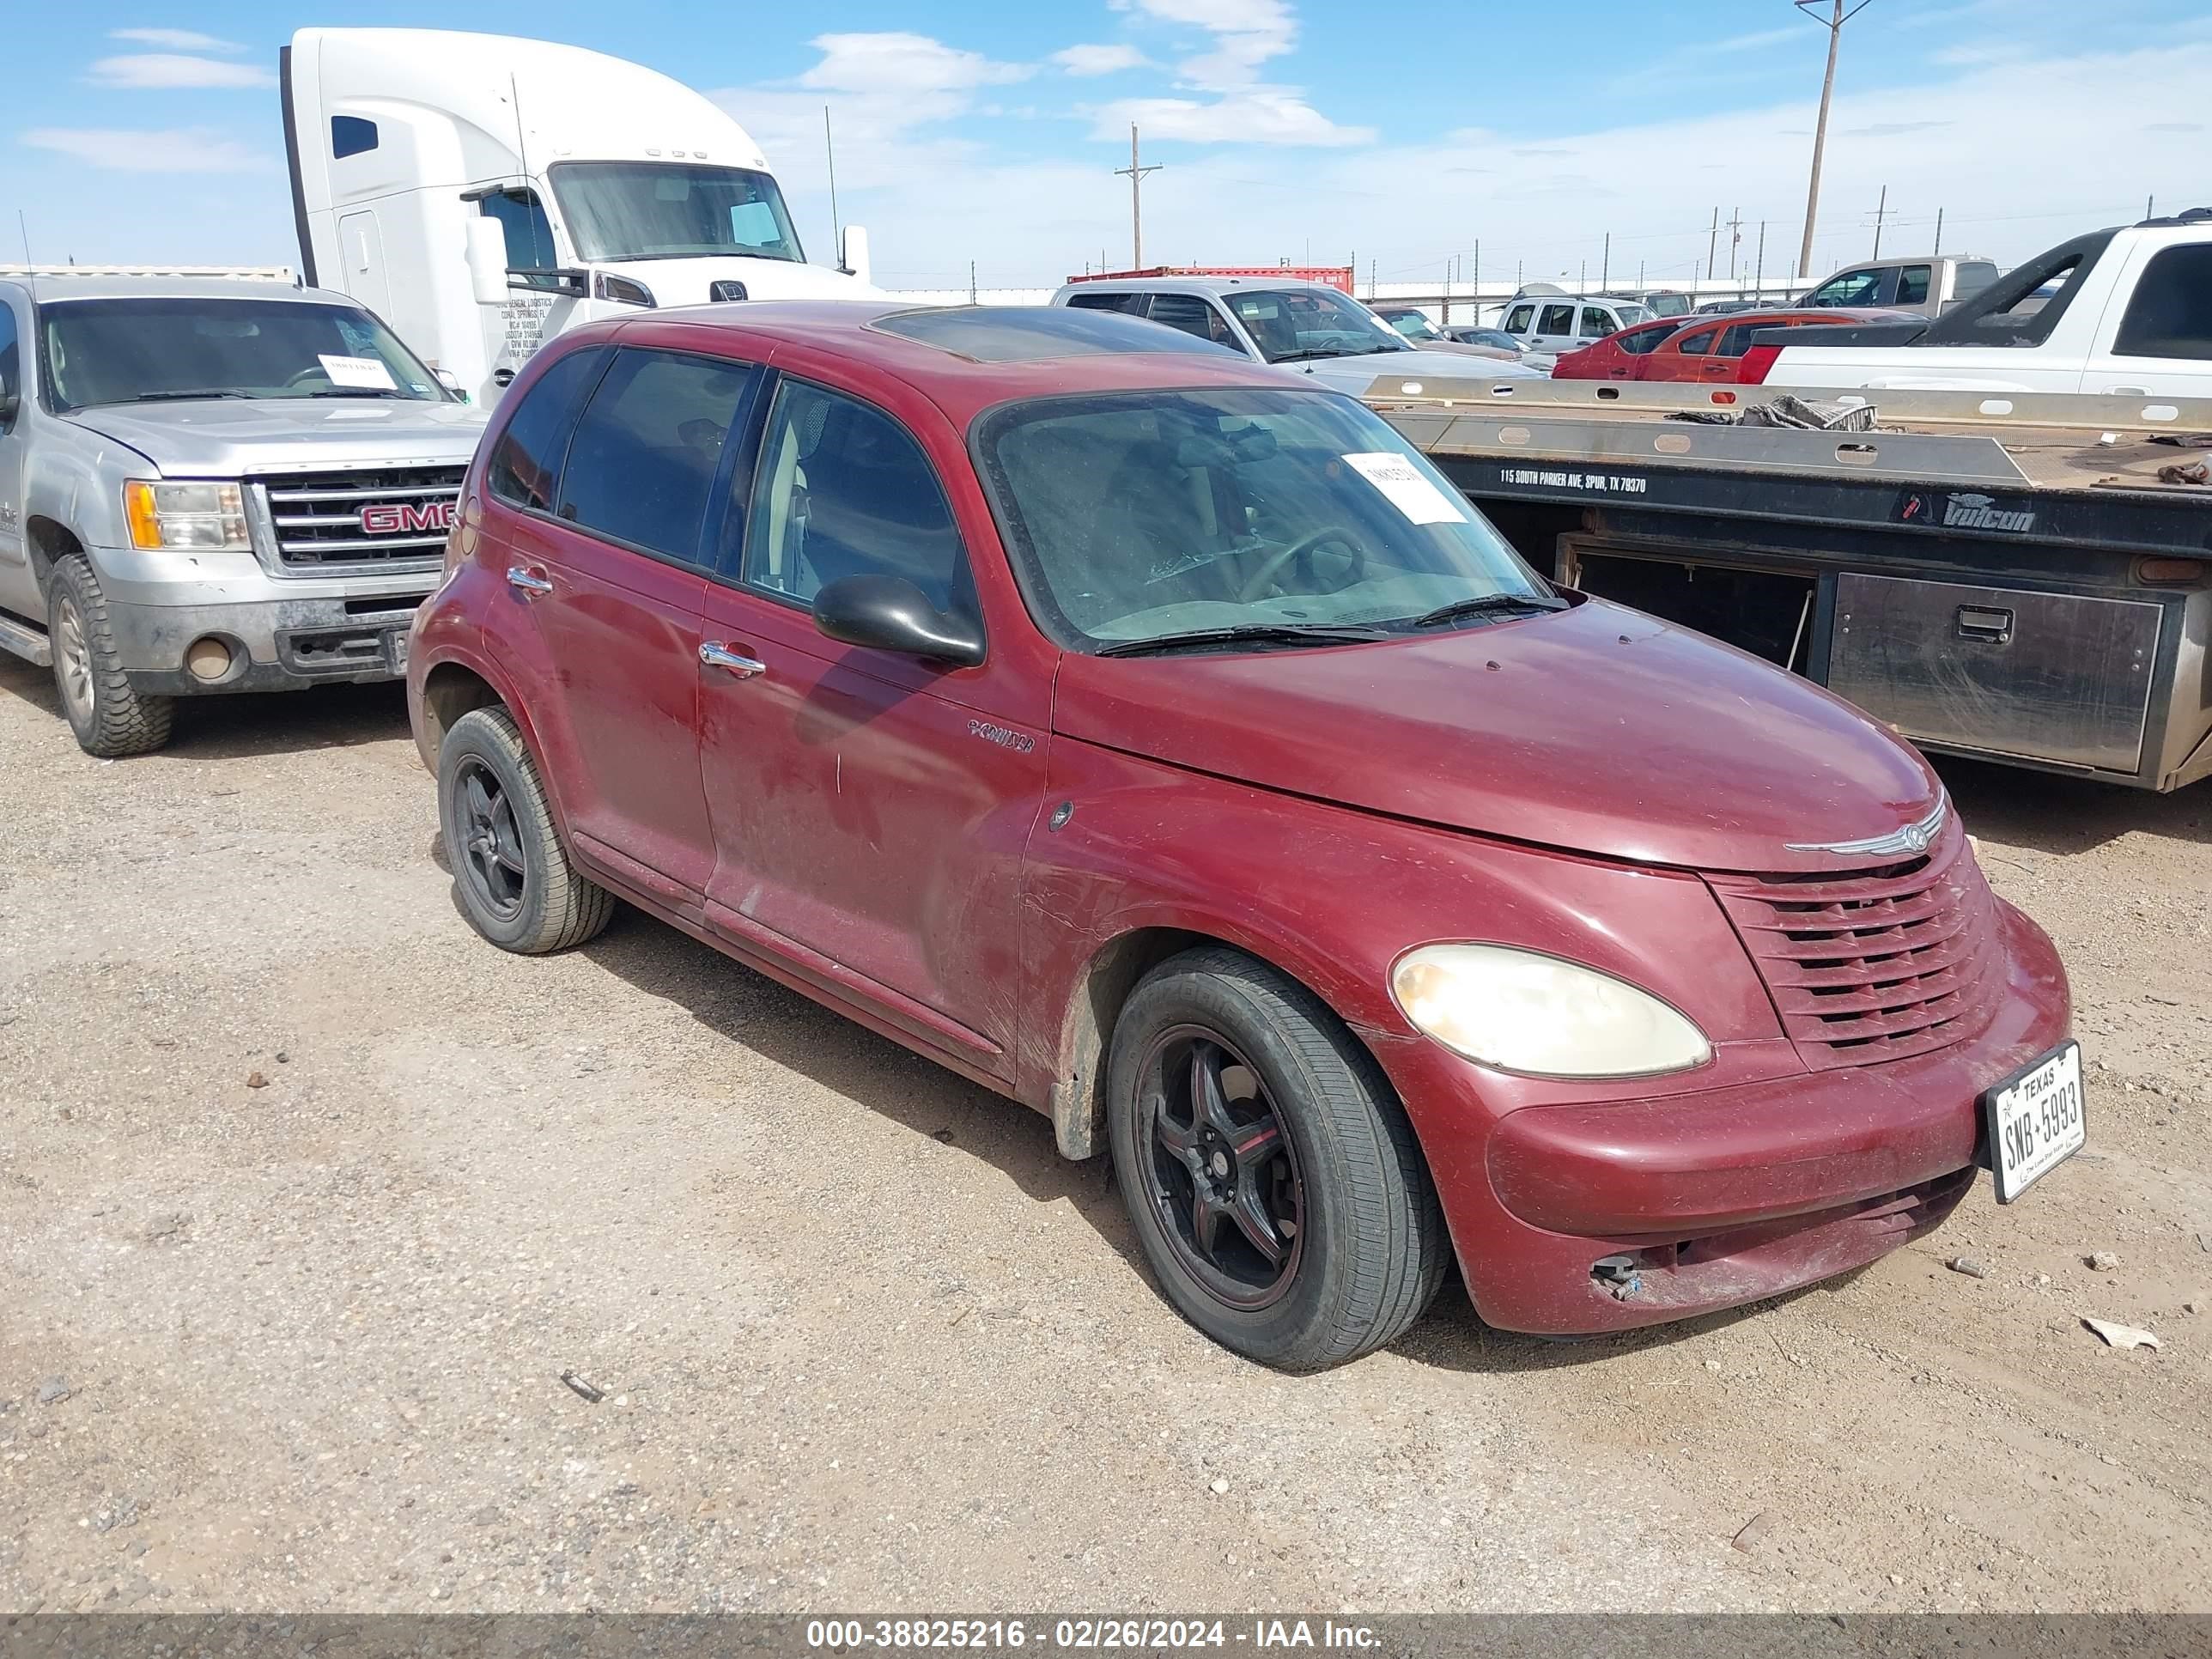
x,y
1162,742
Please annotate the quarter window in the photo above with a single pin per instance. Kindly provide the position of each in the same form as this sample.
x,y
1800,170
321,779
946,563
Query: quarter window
x,y
844,490
525,467
1698,344
1641,342
648,446
1106,302
2171,313
350,136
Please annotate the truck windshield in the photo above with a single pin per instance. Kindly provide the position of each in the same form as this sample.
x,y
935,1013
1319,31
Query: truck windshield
x,y
1295,326
1141,519
671,210
130,351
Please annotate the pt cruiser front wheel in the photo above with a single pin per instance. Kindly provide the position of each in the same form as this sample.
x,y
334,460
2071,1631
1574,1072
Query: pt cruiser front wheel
x,y
1270,1173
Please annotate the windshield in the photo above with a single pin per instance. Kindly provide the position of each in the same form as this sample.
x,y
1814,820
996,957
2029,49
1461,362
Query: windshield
x,y
1670,304
129,351
1295,326
1414,325
671,210
1139,515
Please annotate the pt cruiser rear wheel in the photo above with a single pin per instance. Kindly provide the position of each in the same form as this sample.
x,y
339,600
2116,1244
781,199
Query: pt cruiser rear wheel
x,y
1269,1171
516,886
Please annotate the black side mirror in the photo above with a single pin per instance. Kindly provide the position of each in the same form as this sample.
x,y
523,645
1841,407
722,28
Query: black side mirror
x,y
890,613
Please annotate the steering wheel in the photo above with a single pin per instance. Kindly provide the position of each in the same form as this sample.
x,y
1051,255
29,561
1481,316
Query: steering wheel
x,y
318,373
1256,583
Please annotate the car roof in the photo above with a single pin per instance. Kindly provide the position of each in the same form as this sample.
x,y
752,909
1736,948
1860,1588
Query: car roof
x,y
966,359
51,289
1208,285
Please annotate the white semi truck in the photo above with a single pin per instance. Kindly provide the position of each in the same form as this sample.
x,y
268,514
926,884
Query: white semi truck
x,y
482,193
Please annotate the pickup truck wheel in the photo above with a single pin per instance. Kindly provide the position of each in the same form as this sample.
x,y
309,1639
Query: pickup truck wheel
x,y
1269,1171
110,719
516,886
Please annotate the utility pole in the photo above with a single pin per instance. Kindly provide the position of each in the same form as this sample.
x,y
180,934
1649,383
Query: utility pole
x,y
1735,240
1712,237
1758,281
1938,248
1880,214
1477,280
829,150
1136,172
971,281
1840,12
1605,269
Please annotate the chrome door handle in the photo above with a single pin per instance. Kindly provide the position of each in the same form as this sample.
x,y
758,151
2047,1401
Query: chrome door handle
x,y
715,654
523,582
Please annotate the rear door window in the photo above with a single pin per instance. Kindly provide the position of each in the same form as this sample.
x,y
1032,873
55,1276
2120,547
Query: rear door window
x,y
526,466
1557,319
648,447
1107,301
1193,316
2170,314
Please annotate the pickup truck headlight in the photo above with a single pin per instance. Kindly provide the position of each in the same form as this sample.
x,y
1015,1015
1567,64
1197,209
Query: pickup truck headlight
x,y
1525,1011
205,515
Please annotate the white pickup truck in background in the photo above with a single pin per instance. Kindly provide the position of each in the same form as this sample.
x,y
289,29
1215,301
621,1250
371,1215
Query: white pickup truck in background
x,y
2126,312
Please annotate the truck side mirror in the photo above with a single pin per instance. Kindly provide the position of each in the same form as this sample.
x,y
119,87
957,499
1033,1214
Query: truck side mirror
x,y
487,256
853,253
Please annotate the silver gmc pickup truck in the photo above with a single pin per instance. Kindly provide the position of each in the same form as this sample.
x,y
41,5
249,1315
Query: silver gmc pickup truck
x,y
210,486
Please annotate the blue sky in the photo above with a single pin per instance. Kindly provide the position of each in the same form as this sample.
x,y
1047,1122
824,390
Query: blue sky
x,y
986,131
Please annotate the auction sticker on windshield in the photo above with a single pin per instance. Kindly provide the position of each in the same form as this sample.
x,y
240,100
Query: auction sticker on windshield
x,y
368,373
2035,1122
1413,495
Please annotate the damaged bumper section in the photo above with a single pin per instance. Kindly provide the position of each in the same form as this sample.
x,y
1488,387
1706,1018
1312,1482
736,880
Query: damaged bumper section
x,y
1589,1217
265,645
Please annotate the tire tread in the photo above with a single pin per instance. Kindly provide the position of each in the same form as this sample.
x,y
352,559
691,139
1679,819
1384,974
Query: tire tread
x,y
123,723
575,908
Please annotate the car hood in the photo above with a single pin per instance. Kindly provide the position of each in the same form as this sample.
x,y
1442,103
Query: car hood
x,y
228,437
1596,729
690,282
1404,374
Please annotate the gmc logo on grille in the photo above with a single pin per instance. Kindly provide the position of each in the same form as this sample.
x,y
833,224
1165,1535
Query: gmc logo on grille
x,y
406,518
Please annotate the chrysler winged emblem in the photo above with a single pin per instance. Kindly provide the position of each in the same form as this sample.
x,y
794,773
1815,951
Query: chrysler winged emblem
x,y
1914,839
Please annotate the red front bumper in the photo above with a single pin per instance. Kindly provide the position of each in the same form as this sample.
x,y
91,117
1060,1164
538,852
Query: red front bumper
x,y
1720,1197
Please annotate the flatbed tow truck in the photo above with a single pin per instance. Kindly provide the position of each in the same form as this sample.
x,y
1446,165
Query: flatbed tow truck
x,y
2002,575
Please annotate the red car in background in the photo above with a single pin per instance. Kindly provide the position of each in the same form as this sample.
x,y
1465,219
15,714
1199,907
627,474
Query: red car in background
x,y
1693,349
1159,739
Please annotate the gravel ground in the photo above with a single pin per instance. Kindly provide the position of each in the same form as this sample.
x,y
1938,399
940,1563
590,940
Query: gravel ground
x,y
307,1198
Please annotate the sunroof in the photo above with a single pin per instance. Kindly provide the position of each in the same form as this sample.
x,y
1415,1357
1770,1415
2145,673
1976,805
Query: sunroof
x,y
1025,334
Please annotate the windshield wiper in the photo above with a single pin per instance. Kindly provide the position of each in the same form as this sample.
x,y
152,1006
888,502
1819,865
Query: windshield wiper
x,y
1308,356
180,397
1275,633
1484,602
358,391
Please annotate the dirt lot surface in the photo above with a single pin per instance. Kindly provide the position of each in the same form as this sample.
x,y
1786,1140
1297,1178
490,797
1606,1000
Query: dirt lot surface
x,y
307,1197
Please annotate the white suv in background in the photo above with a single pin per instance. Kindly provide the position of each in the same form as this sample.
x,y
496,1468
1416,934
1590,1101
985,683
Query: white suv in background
x,y
1557,323
1310,327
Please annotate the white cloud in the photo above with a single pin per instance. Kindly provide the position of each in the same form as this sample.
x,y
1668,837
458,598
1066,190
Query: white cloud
x,y
150,70
896,62
1246,34
1099,60
1248,115
187,149
174,39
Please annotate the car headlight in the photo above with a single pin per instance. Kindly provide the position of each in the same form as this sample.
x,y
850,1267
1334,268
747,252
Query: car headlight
x,y
1525,1011
205,515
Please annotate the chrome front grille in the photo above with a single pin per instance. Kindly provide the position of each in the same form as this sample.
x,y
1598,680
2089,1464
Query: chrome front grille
x,y
380,516
1876,964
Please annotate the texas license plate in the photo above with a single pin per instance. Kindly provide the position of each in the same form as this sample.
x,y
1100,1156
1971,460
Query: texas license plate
x,y
2034,1120
395,650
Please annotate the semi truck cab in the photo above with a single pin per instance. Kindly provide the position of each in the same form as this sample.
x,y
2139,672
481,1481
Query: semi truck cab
x,y
484,193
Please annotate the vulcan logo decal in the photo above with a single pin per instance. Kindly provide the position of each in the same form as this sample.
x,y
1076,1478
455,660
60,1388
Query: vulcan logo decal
x,y
408,518
1911,840
1006,736
1963,512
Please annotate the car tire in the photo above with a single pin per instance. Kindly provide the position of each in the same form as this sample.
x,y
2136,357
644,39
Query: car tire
x,y
511,873
110,719
1342,1190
